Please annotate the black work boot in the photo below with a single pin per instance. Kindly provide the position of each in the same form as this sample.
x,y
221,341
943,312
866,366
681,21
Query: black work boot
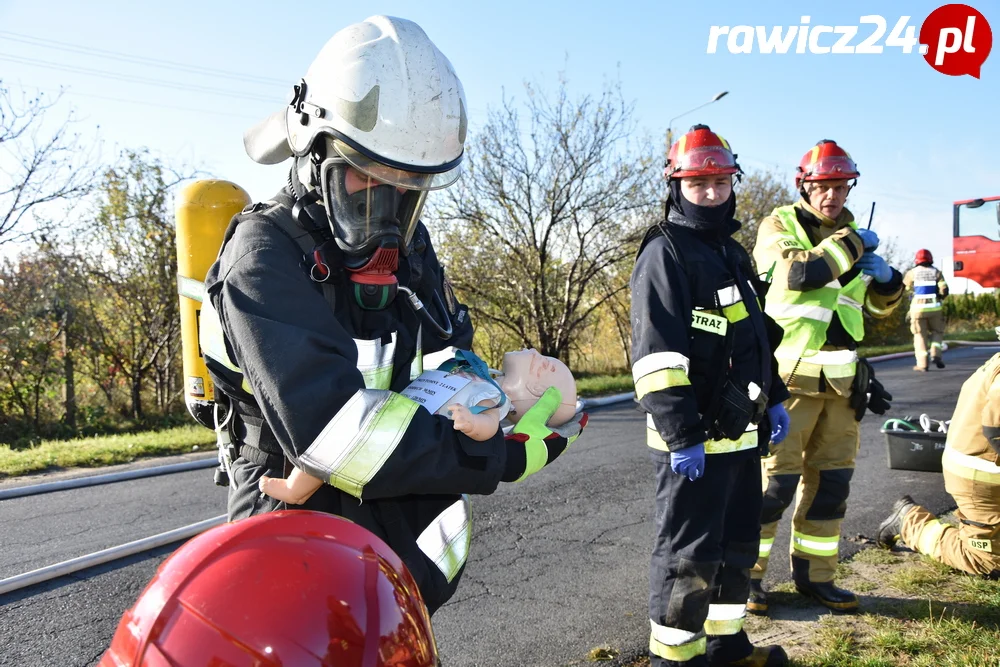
x,y
757,602
722,649
824,592
762,656
889,530
939,362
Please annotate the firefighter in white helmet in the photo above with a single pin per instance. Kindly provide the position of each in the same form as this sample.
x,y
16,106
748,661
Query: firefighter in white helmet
x,y
324,300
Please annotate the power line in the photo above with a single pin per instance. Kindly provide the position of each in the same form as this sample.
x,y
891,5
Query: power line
x,y
139,60
136,79
218,112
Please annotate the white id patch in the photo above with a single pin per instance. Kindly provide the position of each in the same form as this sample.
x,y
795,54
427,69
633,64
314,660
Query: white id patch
x,y
981,545
709,322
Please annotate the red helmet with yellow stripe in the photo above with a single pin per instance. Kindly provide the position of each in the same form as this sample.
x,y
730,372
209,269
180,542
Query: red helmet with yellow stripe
x,y
826,161
700,152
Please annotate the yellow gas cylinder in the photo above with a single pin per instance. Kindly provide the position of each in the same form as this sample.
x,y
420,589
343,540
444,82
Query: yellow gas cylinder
x,y
202,213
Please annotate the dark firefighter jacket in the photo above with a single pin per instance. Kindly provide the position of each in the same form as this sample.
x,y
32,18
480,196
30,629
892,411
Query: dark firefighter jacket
x,y
697,321
317,387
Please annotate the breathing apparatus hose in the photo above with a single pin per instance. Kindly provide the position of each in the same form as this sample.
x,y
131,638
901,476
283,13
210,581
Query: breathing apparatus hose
x,y
443,332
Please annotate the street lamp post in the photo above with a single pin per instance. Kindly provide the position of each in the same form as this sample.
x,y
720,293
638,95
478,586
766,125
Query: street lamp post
x,y
670,132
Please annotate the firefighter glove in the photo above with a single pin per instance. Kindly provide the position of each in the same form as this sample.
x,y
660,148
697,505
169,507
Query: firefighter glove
x,y
779,419
868,238
879,399
532,444
689,461
874,266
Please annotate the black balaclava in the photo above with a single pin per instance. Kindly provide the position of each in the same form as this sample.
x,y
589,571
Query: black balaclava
x,y
709,217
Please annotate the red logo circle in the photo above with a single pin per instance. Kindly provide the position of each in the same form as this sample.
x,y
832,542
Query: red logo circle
x,y
956,40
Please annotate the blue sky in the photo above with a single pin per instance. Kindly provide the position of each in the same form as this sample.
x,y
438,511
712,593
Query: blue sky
x,y
921,139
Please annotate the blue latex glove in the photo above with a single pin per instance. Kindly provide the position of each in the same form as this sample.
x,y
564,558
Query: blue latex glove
x,y
874,266
689,461
869,238
779,422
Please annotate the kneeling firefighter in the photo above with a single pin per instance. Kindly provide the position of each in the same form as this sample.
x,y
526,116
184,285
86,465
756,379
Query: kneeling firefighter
x,y
324,300
705,376
824,276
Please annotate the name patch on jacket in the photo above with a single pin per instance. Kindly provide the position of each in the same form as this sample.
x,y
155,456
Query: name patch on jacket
x,y
709,322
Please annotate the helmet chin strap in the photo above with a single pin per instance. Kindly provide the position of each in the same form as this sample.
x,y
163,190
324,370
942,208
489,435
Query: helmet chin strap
x,y
375,284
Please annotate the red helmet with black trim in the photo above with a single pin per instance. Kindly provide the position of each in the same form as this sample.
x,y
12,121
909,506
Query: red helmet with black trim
x,y
923,256
700,152
282,588
826,161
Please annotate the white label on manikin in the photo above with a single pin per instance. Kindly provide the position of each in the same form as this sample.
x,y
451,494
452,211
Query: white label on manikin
x,y
432,389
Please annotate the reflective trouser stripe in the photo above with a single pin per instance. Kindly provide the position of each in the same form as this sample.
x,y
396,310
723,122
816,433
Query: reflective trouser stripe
x,y
935,344
930,537
817,546
725,619
354,444
657,380
970,467
674,644
446,540
765,547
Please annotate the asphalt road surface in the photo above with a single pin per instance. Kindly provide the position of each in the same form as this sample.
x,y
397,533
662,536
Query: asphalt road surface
x,y
558,564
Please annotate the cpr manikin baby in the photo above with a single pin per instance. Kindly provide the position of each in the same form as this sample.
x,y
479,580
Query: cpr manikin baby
x,y
526,376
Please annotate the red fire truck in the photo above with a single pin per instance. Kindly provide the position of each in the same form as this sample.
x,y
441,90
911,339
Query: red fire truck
x,y
976,246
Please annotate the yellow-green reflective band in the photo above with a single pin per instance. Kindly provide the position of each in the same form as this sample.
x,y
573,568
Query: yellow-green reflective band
x,y
725,619
817,546
735,312
678,652
970,467
355,444
832,247
764,550
446,540
654,440
669,377
746,441
840,370
930,537
211,338
706,321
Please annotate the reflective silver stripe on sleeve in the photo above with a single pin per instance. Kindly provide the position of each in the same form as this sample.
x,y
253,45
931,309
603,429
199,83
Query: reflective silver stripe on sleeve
x,y
658,361
446,540
729,295
355,444
375,361
417,365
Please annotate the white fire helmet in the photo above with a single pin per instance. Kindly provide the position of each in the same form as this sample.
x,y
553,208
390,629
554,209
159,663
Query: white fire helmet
x,y
381,97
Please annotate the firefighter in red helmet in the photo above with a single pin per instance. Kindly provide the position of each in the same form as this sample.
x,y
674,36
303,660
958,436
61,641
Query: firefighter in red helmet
x,y
926,319
705,376
825,275
285,588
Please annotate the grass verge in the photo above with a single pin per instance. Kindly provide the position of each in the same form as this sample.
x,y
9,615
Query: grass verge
x,y
914,613
103,451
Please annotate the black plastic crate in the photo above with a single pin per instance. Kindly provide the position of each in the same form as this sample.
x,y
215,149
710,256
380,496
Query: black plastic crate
x,y
914,450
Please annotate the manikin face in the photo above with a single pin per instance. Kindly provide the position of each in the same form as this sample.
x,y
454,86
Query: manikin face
x,y
526,376
828,197
707,190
